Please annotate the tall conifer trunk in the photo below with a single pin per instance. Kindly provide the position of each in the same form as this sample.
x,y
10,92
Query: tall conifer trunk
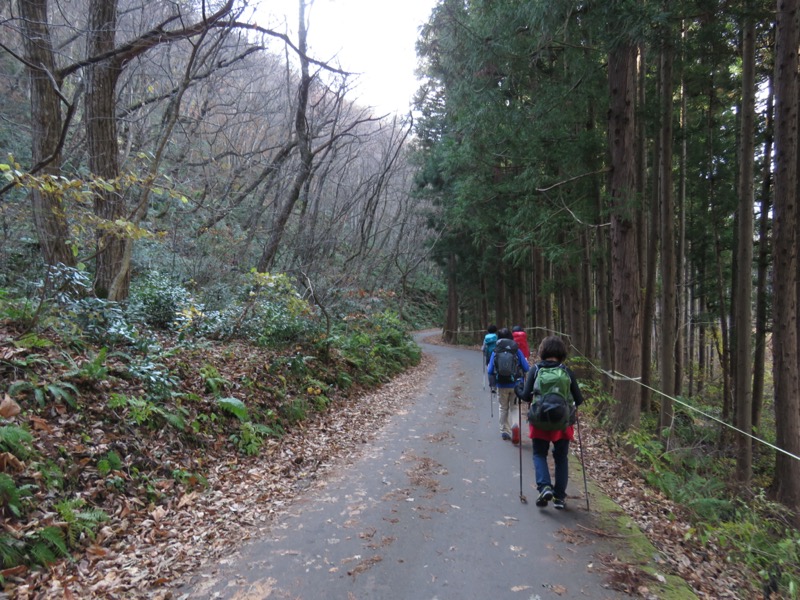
x,y
625,268
786,373
743,316
668,274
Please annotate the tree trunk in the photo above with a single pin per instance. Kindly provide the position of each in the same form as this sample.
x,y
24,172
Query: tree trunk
x,y
540,306
681,356
668,275
650,246
586,298
626,286
743,291
500,313
451,316
103,148
786,483
46,123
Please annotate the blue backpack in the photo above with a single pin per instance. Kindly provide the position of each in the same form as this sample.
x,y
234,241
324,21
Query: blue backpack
x,y
489,342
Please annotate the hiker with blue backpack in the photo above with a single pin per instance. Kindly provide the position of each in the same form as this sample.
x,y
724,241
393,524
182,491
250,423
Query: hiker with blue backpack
x,y
554,394
507,364
489,341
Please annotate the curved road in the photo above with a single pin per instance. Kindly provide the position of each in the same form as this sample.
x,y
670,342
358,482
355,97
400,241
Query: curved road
x,y
431,511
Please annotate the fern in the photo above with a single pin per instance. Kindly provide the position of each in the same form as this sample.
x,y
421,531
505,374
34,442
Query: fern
x,y
111,462
31,340
9,495
61,390
234,406
58,390
47,545
78,521
92,370
15,440
175,419
12,551
117,401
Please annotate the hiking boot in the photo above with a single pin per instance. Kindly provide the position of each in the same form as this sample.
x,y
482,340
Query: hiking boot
x,y
545,496
560,503
505,436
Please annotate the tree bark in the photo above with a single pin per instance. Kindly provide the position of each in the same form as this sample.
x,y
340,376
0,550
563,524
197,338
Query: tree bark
x,y
650,248
451,317
668,275
786,373
625,268
743,291
103,148
49,216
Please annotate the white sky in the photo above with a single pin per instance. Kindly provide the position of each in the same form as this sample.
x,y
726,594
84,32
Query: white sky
x,y
373,37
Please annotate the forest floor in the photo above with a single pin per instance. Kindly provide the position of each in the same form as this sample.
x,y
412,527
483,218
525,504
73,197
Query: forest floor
x,y
146,548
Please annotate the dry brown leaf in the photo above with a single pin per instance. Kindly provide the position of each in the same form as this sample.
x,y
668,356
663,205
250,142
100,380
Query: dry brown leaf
x,y
9,462
8,408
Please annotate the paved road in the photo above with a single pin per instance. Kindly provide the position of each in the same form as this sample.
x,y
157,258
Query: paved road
x,y
432,511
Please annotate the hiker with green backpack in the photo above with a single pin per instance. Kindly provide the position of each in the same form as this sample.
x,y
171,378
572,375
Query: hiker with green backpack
x,y
554,395
507,364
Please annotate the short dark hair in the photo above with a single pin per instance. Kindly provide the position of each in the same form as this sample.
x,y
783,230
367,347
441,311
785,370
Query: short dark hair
x,y
516,328
504,334
492,329
553,347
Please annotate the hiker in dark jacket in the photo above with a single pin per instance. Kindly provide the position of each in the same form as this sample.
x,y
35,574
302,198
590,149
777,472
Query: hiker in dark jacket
x,y
552,352
505,389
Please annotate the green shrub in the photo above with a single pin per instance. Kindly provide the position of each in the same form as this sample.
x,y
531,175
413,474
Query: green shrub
x,y
145,412
378,347
158,301
270,313
100,321
110,462
293,412
250,437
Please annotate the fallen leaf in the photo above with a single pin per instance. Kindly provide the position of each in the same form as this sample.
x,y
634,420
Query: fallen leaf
x,y
8,408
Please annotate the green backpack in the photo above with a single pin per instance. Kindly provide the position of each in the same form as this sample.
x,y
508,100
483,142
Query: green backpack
x,y
552,408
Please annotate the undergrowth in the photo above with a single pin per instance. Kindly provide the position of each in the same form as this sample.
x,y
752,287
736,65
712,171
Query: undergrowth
x,y
159,368
688,465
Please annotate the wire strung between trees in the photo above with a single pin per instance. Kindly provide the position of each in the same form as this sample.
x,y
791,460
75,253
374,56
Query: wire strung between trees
x,y
617,376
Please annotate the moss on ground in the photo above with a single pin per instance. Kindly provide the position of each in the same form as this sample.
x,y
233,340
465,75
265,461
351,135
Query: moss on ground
x,y
628,544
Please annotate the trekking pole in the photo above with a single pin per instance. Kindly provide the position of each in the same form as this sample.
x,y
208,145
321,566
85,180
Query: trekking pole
x,y
522,497
583,465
